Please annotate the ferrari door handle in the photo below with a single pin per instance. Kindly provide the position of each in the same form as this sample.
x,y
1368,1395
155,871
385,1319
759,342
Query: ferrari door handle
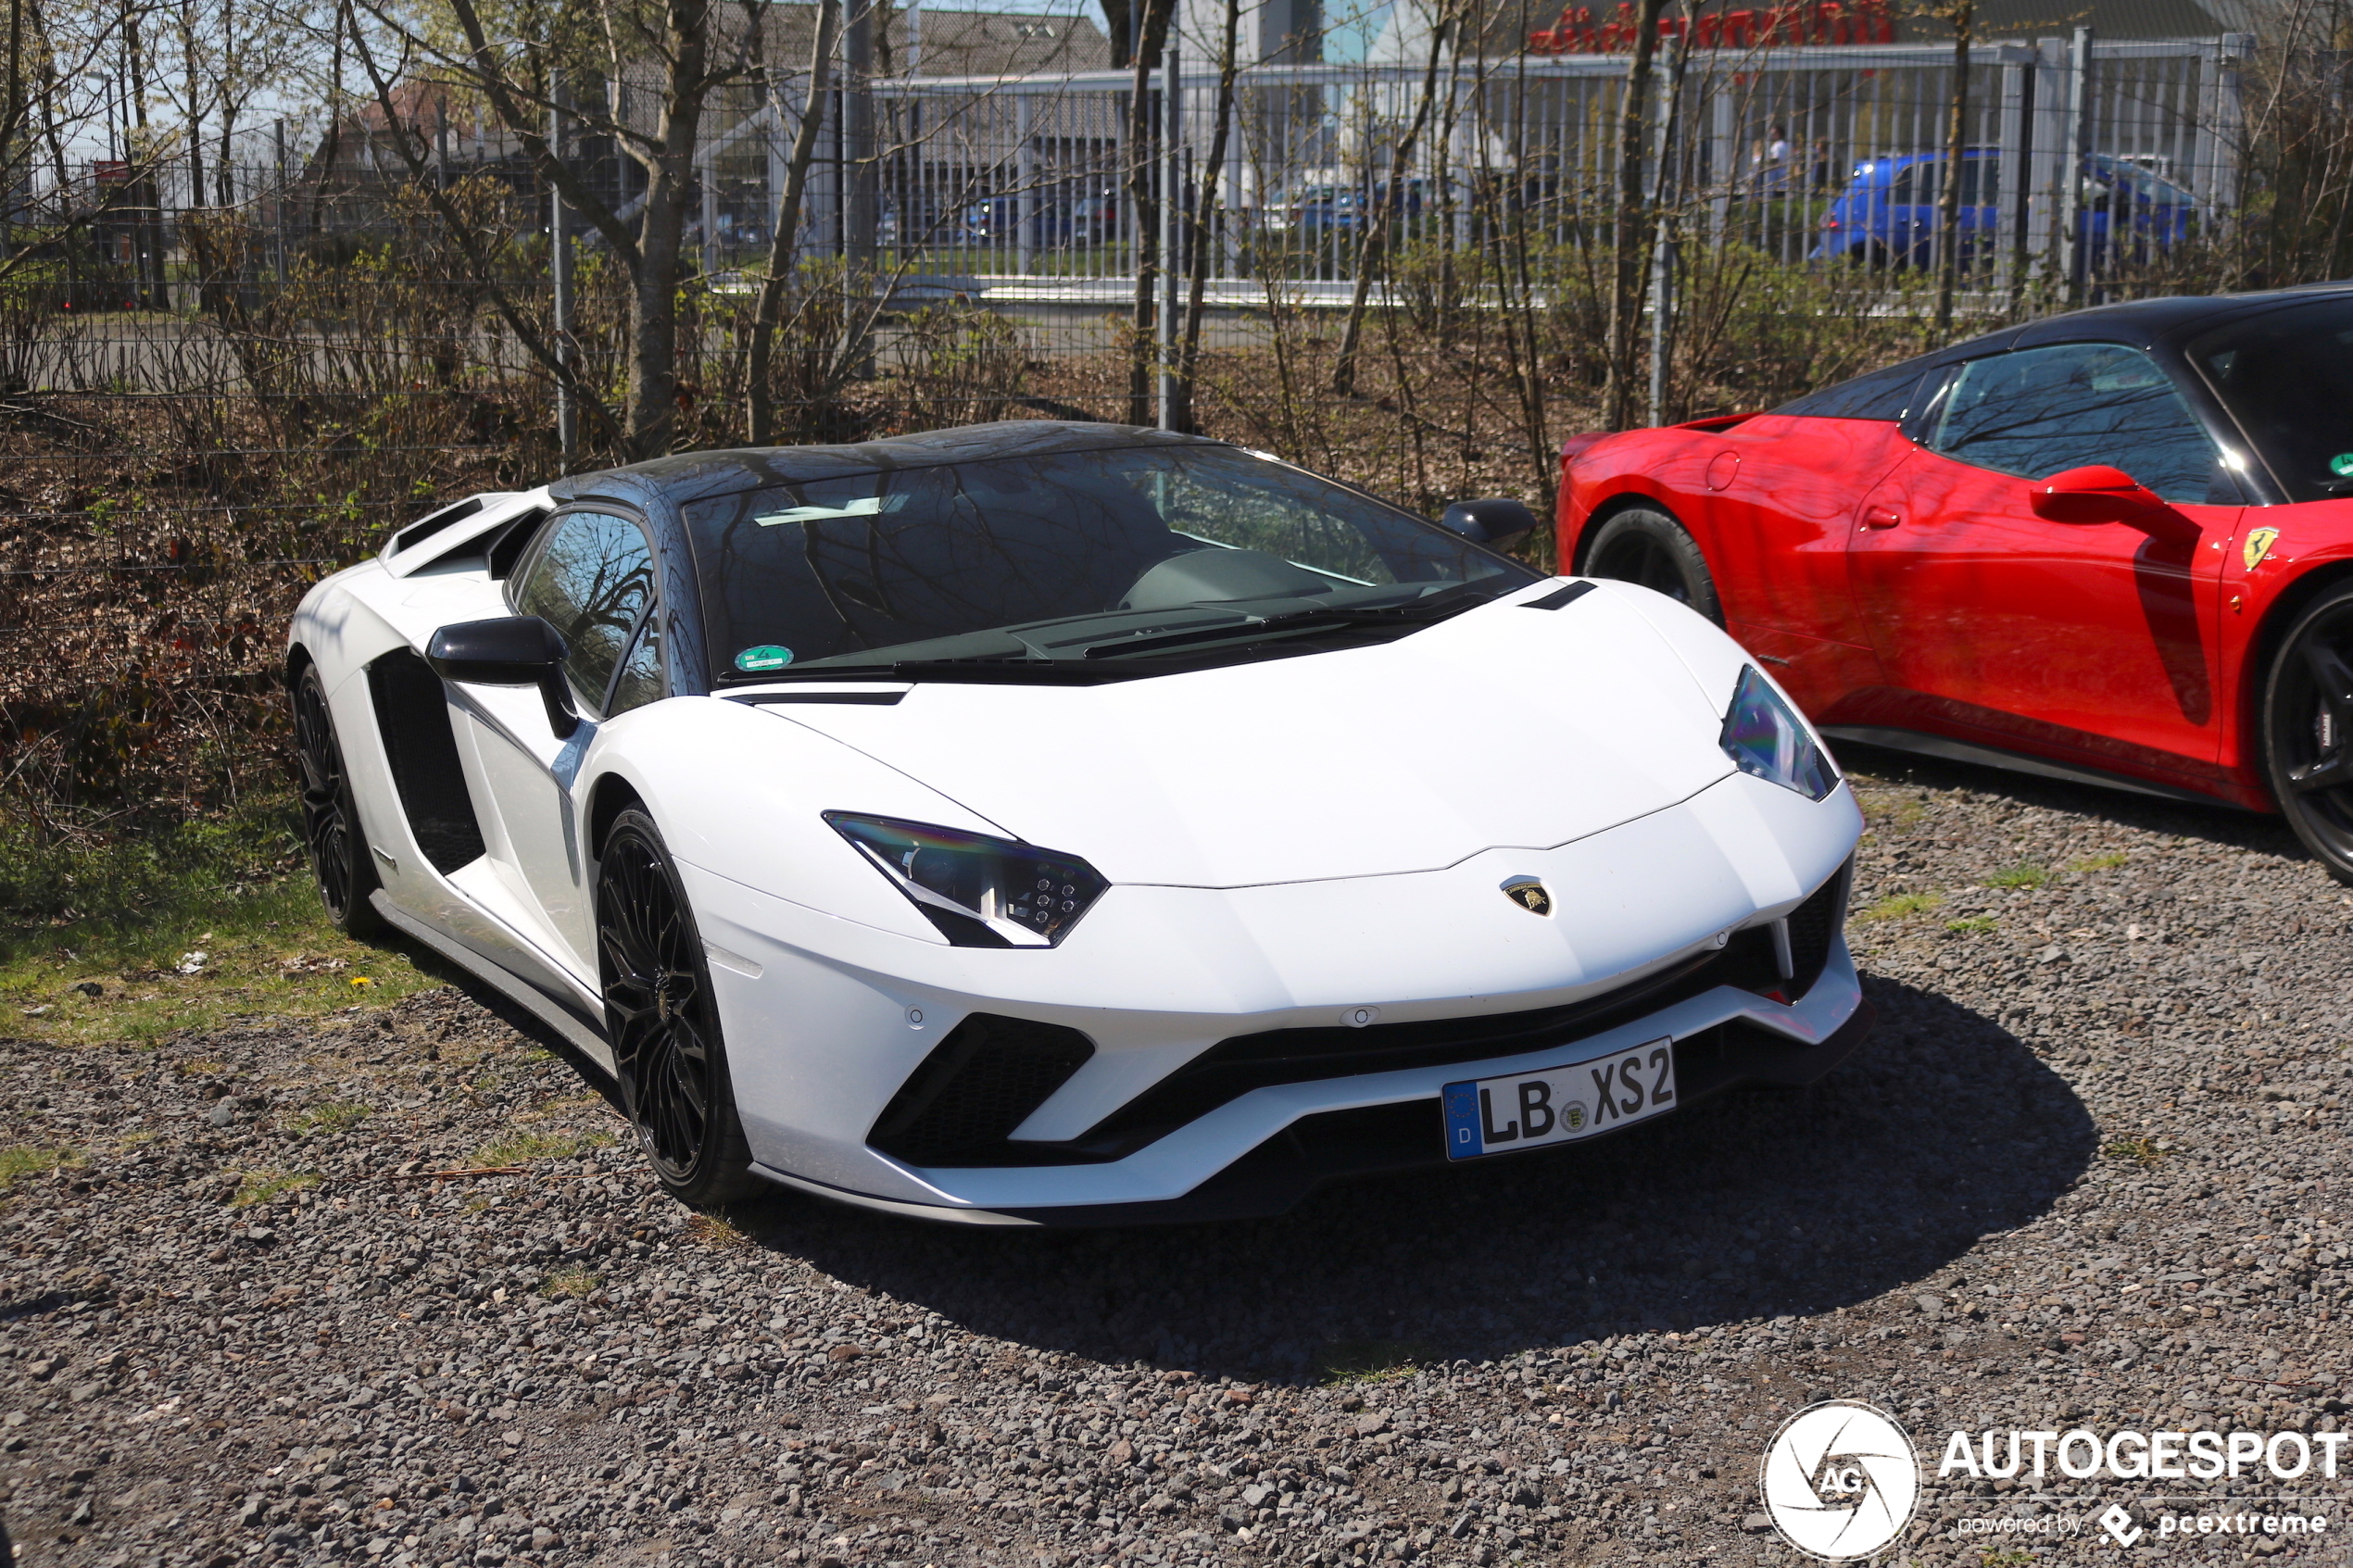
x,y
1882,517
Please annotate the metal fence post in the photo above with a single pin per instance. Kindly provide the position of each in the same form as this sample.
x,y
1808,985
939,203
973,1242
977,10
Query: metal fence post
x,y
278,202
2046,145
862,212
706,172
1663,192
2073,261
2016,135
1723,161
560,272
1025,186
1172,230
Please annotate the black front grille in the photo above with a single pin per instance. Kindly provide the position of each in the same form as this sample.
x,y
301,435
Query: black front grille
x,y
981,1082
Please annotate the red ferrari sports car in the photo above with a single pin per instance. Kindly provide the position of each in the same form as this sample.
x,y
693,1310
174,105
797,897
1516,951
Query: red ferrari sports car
x,y
2114,546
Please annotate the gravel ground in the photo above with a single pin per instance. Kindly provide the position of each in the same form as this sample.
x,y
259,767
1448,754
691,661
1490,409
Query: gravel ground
x,y
2092,1171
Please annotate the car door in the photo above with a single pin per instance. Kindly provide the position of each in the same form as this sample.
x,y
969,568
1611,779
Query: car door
x,y
2096,639
591,576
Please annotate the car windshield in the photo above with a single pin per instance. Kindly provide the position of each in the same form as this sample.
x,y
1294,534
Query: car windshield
x,y
2145,185
2286,376
1139,558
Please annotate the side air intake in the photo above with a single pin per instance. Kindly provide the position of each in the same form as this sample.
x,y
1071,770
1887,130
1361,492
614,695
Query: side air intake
x,y
975,1087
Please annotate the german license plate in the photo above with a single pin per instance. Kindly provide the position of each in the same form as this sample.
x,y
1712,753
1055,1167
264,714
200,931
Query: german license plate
x,y
1557,1105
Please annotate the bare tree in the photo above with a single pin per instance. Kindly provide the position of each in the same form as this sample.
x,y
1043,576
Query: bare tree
x,y
760,413
1204,216
1961,17
1143,210
680,49
1391,195
1630,236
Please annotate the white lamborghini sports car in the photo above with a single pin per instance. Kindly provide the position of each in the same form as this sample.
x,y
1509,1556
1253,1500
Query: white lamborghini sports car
x,y
1061,823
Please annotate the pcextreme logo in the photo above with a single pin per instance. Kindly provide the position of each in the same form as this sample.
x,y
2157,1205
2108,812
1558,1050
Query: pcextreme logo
x,y
1840,1480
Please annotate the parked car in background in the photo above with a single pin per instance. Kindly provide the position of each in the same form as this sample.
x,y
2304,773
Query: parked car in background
x,y
1888,213
1055,218
1313,211
2114,545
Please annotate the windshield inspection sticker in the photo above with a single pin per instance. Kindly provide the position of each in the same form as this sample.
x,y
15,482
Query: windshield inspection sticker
x,y
767,656
2342,465
865,505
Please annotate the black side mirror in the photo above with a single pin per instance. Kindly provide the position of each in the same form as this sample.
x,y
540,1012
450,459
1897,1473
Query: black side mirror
x,y
1498,520
511,651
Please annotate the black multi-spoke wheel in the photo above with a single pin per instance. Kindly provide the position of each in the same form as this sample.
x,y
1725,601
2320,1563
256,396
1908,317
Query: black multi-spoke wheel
x,y
1645,545
339,859
2307,731
663,1021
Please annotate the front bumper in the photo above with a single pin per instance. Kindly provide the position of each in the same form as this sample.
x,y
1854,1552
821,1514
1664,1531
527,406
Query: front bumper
x,y
1407,1134
1180,996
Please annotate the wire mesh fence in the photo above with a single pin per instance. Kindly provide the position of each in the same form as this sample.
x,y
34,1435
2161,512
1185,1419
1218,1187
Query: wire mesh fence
x,y
219,380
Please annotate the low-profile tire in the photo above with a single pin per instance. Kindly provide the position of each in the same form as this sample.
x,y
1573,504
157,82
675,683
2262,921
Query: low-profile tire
x,y
663,1021
340,862
1643,545
2307,730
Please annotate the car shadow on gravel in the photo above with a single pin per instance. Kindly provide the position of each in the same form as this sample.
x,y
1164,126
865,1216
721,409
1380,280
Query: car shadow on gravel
x,y
2216,823
1756,1204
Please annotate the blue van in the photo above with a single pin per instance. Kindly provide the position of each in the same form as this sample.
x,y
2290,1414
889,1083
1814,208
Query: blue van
x,y
1887,214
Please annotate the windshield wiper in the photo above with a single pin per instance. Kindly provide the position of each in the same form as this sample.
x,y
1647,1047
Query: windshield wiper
x,y
1012,670
1417,612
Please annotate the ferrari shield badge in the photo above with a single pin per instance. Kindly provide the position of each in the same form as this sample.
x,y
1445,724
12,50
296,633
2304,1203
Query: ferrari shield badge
x,y
1529,895
2259,544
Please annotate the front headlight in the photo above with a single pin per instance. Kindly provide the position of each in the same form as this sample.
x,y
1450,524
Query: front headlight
x,y
980,892
1763,736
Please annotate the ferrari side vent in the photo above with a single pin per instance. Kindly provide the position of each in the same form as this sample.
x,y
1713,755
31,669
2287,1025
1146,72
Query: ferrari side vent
x,y
1813,925
974,1088
413,716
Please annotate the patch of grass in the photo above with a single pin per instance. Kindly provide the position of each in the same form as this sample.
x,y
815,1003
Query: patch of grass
x,y
91,938
2026,875
713,1231
334,1116
1894,810
261,1186
2107,862
1901,906
574,1284
1342,1361
1972,926
2004,1557
518,1149
31,1159
2143,1151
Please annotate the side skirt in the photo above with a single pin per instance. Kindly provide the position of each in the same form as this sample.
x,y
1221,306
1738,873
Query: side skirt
x,y
1926,745
581,1033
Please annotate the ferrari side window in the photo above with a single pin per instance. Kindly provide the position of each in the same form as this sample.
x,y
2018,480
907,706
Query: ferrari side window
x,y
2040,411
591,581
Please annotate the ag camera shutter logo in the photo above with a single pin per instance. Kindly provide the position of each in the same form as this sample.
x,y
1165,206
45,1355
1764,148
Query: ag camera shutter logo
x,y
1840,1480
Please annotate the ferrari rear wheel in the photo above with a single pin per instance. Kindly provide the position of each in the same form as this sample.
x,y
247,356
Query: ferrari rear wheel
x,y
338,849
2307,731
663,1023
1646,545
